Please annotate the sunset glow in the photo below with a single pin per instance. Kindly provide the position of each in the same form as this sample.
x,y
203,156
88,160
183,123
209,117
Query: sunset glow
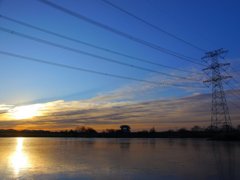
x,y
25,112
132,64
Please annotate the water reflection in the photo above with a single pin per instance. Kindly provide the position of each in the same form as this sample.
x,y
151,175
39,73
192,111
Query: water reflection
x,y
82,158
19,159
224,156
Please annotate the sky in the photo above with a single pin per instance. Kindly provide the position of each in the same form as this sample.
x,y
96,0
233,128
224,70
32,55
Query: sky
x,y
36,95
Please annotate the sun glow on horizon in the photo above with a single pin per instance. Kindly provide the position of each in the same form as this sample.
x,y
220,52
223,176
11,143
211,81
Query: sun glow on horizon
x,y
26,112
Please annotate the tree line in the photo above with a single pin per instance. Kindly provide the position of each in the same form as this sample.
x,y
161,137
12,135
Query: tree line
x,y
124,132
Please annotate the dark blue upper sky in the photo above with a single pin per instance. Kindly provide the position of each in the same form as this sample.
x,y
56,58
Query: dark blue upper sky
x,y
207,24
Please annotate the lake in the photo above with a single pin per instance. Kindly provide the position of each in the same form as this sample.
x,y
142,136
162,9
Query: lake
x,y
85,158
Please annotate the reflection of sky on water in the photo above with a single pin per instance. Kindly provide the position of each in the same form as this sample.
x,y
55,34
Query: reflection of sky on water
x,y
19,159
74,158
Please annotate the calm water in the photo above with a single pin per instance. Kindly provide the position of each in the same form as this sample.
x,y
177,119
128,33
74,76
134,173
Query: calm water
x,y
69,158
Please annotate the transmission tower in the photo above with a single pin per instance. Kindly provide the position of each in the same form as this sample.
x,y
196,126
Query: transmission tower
x,y
220,117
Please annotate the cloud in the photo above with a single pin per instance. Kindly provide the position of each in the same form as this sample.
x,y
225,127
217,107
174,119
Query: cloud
x,y
126,105
4,108
161,114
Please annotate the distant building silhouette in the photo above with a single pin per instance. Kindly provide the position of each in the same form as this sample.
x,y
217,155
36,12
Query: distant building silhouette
x,y
125,129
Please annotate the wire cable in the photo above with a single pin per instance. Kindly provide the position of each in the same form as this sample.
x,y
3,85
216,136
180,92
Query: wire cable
x,y
232,90
237,106
123,34
26,58
90,54
234,79
92,45
152,25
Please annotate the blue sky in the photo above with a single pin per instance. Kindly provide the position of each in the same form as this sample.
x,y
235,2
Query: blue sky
x,y
207,24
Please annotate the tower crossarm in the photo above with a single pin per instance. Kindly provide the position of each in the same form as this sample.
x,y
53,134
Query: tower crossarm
x,y
216,65
218,78
214,53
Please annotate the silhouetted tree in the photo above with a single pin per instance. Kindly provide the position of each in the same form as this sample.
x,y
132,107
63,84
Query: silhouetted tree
x,y
110,131
152,130
88,131
196,129
182,130
125,128
238,127
80,129
91,131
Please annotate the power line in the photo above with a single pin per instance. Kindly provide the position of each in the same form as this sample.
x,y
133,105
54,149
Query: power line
x,y
237,106
152,25
233,90
234,70
229,86
235,95
232,76
236,81
123,34
90,45
232,93
89,54
26,58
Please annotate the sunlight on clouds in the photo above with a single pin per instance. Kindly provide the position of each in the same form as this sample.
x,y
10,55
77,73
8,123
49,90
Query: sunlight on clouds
x,y
120,106
26,112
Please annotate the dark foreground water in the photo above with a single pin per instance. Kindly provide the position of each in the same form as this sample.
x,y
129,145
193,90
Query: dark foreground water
x,y
70,158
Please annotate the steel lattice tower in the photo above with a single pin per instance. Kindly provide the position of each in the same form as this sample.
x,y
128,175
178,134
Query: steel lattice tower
x,y
220,117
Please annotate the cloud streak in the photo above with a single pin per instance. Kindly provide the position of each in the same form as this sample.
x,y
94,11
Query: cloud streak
x,y
161,114
126,105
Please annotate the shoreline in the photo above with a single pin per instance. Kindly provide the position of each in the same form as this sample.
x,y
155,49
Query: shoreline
x,y
233,135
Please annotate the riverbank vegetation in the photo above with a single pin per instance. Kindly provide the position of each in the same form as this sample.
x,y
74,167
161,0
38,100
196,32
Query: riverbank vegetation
x,y
125,132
